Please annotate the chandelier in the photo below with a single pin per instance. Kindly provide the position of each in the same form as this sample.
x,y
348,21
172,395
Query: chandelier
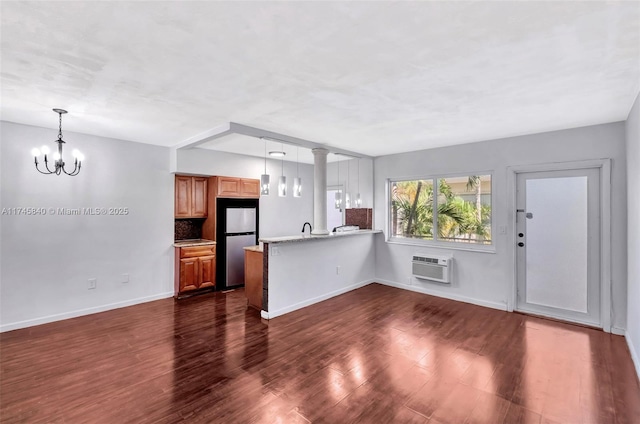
x,y
57,156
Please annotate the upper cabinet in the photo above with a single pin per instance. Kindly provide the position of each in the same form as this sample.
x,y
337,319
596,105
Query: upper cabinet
x,y
191,197
238,187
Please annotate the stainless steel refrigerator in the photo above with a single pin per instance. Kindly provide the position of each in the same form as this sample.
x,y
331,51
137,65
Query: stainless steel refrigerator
x,y
237,228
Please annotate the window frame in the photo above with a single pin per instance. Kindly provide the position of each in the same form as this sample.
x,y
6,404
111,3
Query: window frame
x,y
453,245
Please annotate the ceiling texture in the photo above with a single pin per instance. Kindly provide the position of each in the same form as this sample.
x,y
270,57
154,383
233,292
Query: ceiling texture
x,y
371,77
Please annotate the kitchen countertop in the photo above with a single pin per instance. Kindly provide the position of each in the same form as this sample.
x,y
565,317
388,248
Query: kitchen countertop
x,y
291,239
254,248
193,242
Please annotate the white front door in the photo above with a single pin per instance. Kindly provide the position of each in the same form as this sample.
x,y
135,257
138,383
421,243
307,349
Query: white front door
x,y
558,244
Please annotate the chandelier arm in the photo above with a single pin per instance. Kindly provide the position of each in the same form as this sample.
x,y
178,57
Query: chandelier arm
x,y
46,164
75,172
72,173
42,172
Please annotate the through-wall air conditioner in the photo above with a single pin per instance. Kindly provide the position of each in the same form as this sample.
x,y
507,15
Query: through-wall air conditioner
x,y
432,267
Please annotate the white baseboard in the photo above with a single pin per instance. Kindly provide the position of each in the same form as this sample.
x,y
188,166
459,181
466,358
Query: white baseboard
x,y
618,331
446,295
634,354
313,300
81,312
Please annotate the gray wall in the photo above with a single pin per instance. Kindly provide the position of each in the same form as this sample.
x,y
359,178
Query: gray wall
x,y
47,259
486,278
633,222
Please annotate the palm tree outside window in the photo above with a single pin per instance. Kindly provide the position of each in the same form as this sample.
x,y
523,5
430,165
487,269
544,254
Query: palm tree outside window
x,y
450,209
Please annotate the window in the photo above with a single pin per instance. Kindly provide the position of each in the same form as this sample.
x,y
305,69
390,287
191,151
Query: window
x,y
451,209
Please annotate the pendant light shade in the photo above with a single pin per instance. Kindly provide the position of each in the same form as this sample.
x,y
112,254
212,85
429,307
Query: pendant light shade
x,y
282,181
358,201
338,202
297,187
338,197
297,181
264,178
347,196
264,184
282,186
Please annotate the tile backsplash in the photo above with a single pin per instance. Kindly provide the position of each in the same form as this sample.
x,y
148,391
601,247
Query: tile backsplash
x,y
186,229
362,217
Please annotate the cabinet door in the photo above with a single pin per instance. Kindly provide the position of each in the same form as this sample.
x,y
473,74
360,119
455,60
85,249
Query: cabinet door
x,y
199,197
249,187
253,269
189,274
207,271
228,187
184,186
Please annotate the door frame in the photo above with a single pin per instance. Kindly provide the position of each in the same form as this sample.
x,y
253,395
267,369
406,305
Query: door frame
x,y
604,167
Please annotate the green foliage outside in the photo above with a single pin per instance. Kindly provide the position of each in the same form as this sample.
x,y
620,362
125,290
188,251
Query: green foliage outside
x,y
458,219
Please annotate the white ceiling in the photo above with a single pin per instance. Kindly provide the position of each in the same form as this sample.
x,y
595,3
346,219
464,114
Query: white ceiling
x,y
374,77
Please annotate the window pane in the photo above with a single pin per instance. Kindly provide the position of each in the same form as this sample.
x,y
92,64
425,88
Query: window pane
x,y
464,209
412,209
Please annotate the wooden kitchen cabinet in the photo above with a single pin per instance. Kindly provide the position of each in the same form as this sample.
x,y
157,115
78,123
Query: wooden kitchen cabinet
x,y
195,268
238,187
253,271
191,197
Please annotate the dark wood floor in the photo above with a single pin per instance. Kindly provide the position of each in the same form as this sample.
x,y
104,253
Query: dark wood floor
x,y
374,355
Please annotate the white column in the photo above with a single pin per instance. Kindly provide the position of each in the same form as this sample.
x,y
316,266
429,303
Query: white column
x,y
320,191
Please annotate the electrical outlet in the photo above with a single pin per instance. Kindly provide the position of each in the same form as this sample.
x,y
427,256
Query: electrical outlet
x,y
275,251
125,278
338,270
502,229
409,280
93,283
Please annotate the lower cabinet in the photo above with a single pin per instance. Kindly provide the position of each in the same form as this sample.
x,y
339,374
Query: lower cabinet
x,y
253,270
195,268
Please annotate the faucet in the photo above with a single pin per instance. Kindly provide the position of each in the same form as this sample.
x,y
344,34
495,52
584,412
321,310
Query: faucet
x,y
305,226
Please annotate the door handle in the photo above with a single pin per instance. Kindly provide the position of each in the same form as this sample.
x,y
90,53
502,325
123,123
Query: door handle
x,y
521,244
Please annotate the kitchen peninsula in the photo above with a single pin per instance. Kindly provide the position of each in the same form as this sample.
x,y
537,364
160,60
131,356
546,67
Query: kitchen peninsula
x,y
302,270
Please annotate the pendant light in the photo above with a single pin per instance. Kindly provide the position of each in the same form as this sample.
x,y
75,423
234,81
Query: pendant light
x,y
264,178
347,196
358,201
338,198
297,181
282,181
57,156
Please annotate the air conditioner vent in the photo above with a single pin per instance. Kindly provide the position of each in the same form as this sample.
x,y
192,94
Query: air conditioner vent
x,y
432,267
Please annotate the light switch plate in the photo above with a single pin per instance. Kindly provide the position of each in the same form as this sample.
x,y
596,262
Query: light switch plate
x,y
275,251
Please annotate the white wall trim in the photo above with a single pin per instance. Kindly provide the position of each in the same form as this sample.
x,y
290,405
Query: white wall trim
x,y
313,300
604,166
634,354
450,296
618,331
82,312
